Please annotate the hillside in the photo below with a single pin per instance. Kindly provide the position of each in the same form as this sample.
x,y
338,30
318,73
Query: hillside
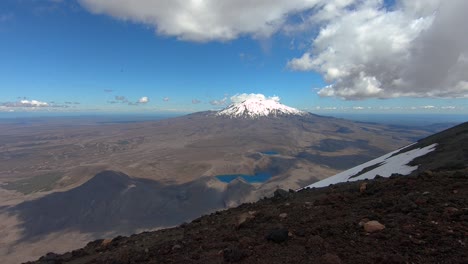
x,y
420,217
425,218
53,195
445,150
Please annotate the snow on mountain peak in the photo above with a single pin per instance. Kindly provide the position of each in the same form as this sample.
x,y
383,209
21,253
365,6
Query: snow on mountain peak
x,y
257,105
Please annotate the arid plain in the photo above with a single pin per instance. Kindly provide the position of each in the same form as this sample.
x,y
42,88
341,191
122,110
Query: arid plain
x,y
43,163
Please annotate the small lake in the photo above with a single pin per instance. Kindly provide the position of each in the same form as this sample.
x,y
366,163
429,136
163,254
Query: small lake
x,y
269,152
257,178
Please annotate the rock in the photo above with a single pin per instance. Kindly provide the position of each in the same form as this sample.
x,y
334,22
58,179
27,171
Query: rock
x,y
280,193
373,226
363,187
106,242
363,222
233,254
244,217
278,235
330,259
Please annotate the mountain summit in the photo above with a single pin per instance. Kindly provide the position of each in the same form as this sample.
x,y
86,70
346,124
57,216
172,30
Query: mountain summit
x,y
258,107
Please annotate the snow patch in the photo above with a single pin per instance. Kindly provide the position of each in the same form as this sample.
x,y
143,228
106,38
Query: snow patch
x,y
389,165
258,107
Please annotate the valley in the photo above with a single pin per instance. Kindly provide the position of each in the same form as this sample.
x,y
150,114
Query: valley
x,y
92,180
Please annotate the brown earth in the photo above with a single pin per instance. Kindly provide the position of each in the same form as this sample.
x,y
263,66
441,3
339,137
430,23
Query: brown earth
x,y
45,162
418,219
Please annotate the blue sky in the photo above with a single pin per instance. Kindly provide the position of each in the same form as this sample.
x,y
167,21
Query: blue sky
x,y
84,56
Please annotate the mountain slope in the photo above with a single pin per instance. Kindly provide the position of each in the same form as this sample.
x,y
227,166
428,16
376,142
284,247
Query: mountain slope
x,y
416,218
425,219
175,156
444,150
114,202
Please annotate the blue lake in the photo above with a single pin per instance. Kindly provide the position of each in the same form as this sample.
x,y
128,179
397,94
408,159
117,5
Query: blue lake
x,y
257,178
269,152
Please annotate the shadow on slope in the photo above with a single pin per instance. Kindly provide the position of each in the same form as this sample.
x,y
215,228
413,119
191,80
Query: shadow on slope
x,y
113,202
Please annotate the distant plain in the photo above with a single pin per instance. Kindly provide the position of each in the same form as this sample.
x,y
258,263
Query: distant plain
x,y
45,160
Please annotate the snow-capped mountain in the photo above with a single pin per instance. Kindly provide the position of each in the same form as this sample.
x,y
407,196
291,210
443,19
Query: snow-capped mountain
x,y
258,107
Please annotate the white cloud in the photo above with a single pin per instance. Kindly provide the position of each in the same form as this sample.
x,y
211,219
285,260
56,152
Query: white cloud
x,y
206,20
239,98
358,108
448,107
218,102
427,107
143,100
304,63
363,49
32,105
166,99
26,103
418,49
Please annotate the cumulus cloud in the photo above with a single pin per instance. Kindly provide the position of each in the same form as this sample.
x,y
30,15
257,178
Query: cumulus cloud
x,y
143,100
219,102
26,103
195,101
239,98
119,99
418,48
363,48
205,20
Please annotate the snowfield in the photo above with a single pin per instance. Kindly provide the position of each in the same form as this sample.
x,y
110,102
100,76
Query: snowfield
x,y
254,108
388,166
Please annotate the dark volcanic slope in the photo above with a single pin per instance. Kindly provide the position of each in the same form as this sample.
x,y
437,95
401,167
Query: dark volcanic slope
x,y
113,201
425,218
451,151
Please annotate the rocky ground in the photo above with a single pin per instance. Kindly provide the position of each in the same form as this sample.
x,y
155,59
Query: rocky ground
x,y
402,219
